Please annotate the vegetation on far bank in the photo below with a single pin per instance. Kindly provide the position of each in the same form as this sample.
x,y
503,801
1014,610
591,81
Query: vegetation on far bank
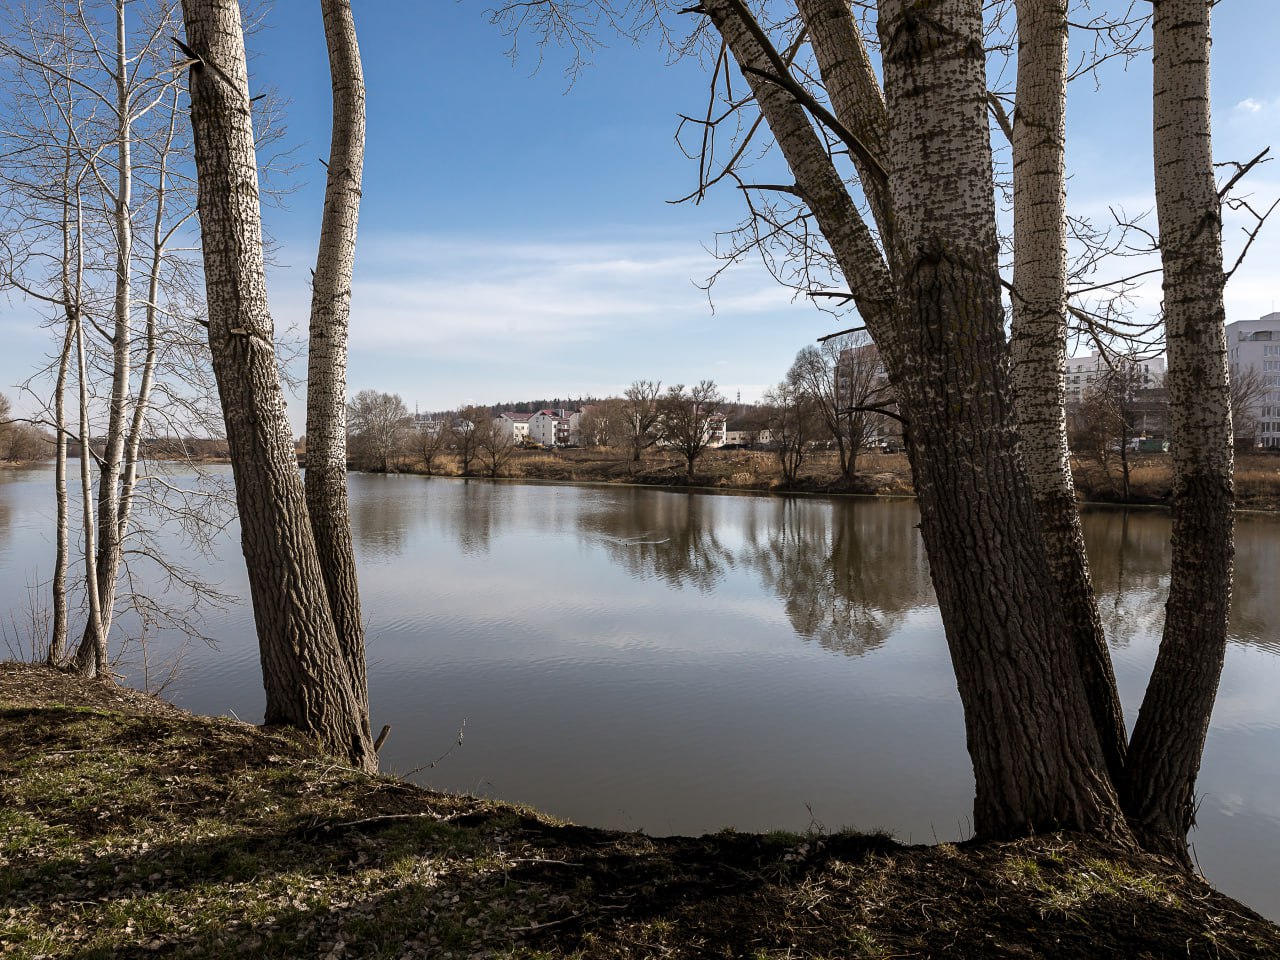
x,y
1257,474
131,828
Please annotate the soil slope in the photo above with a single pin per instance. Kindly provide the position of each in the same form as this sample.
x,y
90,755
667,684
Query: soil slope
x,y
129,828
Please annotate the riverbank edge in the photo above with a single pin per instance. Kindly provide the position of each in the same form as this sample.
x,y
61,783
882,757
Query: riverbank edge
x,y
130,827
885,476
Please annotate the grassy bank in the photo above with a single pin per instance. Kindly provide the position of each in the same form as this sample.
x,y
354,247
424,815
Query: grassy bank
x,y
130,828
878,474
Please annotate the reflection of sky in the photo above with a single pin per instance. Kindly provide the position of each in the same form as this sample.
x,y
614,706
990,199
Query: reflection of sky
x,y
638,658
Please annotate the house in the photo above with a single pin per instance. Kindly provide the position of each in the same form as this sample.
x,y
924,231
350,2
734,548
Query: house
x,y
746,431
512,425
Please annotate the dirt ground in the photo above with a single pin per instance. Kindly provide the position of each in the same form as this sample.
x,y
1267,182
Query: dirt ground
x,y
129,828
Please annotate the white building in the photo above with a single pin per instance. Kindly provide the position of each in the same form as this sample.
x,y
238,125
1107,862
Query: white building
x,y
1255,345
1083,372
555,428
513,425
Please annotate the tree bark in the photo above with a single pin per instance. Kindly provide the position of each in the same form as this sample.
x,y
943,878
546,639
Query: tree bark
x,y
326,477
1040,347
1036,756
110,545
307,682
937,319
91,656
1168,738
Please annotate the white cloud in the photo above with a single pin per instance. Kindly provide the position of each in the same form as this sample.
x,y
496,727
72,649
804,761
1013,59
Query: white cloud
x,y
427,291
1249,105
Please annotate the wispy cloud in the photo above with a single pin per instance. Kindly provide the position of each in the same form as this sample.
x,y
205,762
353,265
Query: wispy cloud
x,y
437,318
1250,105
422,290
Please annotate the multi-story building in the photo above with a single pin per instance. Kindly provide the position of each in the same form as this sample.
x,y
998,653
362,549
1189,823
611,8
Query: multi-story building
x,y
1255,345
555,428
513,425
1083,372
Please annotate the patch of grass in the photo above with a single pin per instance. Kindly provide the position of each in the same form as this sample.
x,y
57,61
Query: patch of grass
x,y
135,830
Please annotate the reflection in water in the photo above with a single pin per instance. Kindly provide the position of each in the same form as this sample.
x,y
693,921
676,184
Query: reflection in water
x,y
1129,562
381,515
1253,606
555,620
846,575
669,537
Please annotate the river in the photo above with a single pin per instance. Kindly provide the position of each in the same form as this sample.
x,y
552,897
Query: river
x,y
680,663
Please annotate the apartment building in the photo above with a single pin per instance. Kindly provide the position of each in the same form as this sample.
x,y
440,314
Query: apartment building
x,y
1255,345
1083,372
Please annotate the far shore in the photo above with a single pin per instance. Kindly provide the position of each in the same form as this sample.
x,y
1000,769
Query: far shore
x,y
1257,474
876,474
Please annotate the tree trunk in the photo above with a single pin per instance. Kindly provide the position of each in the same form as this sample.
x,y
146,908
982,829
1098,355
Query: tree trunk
x,y
110,545
1168,739
62,536
938,322
326,477
91,657
1036,756
1040,347
307,681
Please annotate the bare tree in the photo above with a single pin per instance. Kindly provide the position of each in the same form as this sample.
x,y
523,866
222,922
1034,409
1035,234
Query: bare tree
x,y
1039,341
464,438
687,418
844,379
792,417
940,334
494,447
433,438
640,416
892,189
1107,421
378,424
92,170
307,680
1248,388
602,422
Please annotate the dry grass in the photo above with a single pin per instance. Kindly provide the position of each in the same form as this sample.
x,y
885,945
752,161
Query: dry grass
x,y
130,829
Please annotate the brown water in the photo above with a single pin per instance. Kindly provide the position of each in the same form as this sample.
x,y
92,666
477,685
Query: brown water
x,y
680,663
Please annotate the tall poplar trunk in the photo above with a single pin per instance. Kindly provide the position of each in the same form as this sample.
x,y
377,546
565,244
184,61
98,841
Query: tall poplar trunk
x,y
1040,347
326,477
935,313
308,684
1036,755
1168,738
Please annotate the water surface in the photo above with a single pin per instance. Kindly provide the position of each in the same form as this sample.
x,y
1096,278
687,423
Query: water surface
x,y
679,663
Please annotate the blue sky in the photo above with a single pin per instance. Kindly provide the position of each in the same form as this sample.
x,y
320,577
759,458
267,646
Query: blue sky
x,y
515,237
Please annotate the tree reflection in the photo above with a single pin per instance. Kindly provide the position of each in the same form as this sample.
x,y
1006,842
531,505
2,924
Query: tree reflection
x,y
667,536
1253,612
847,575
382,510
1129,558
